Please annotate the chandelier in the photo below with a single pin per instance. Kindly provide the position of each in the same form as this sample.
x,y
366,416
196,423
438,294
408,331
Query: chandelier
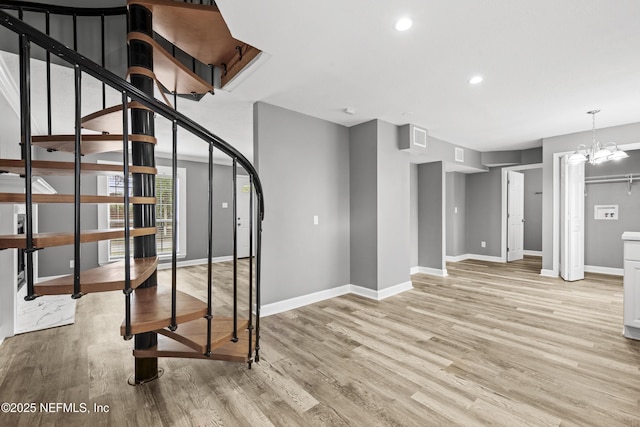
x,y
598,152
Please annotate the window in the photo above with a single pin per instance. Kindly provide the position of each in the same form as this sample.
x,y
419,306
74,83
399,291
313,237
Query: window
x,y
112,215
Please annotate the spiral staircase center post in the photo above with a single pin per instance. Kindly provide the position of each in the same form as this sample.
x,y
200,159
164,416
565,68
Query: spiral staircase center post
x,y
142,122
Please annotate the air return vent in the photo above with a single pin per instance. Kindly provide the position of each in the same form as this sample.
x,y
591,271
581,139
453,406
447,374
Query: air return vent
x,y
459,154
413,139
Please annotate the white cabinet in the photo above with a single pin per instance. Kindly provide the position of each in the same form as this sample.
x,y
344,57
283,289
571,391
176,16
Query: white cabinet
x,y
631,285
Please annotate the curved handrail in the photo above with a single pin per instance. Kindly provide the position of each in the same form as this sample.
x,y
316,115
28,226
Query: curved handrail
x,y
134,93
63,10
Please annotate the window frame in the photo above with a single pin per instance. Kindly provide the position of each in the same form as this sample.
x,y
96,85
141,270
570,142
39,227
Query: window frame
x,y
181,196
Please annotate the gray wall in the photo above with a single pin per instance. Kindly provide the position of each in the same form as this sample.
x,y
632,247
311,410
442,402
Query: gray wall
x,y
413,215
533,209
363,175
483,215
603,246
304,167
456,220
393,209
59,217
430,213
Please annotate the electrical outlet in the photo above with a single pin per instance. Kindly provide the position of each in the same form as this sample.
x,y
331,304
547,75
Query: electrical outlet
x,y
483,244
71,263
315,220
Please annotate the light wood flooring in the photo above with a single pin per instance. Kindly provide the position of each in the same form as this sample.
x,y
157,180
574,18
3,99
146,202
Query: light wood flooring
x,y
492,344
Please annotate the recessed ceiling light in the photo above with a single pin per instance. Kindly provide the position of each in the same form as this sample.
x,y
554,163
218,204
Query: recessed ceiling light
x,y
475,80
403,24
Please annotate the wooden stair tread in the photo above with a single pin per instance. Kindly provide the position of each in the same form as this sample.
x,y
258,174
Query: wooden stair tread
x,y
194,334
46,240
48,167
69,198
90,144
170,72
109,120
229,352
108,277
151,309
200,31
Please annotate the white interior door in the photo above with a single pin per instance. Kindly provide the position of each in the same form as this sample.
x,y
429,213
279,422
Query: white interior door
x,y
572,220
242,211
515,215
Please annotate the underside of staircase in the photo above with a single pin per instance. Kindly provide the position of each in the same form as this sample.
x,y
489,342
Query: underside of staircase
x,y
167,321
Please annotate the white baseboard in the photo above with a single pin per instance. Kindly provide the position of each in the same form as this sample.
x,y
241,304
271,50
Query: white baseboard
x,y
428,270
488,258
532,253
381,294
477,257
604,270
631,332
301,301
192,262
548,273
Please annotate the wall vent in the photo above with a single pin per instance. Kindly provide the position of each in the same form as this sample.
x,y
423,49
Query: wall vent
x,y
459,154
420,137
413,139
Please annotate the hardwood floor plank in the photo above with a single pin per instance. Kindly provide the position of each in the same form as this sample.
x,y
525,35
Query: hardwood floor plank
x,y
491,344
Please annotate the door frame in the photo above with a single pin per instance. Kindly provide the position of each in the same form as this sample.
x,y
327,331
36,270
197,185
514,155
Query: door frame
x,y
504,225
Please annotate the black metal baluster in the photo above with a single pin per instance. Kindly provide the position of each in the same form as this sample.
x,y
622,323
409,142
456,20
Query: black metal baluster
x,y
104,87
127,231
25,124
210,254
48,55
174,206
235,250
75,32
250,327
258,273
76,197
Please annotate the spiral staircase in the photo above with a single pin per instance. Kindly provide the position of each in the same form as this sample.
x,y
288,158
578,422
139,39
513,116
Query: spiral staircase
x,y
165,321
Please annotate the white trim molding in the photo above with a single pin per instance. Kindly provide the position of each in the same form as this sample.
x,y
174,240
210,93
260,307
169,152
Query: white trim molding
x,y
303,300
532,253
604,270
548,273
383,293
477,257
488,258
431,271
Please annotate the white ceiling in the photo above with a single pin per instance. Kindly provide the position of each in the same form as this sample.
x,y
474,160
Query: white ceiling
x,y
545,64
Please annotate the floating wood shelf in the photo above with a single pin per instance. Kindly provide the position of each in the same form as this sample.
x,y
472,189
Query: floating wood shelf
x,y
69,198
200,31
47,240
108,277
194,334
229,352
170,72
109,120
151,309
47,167
90,144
